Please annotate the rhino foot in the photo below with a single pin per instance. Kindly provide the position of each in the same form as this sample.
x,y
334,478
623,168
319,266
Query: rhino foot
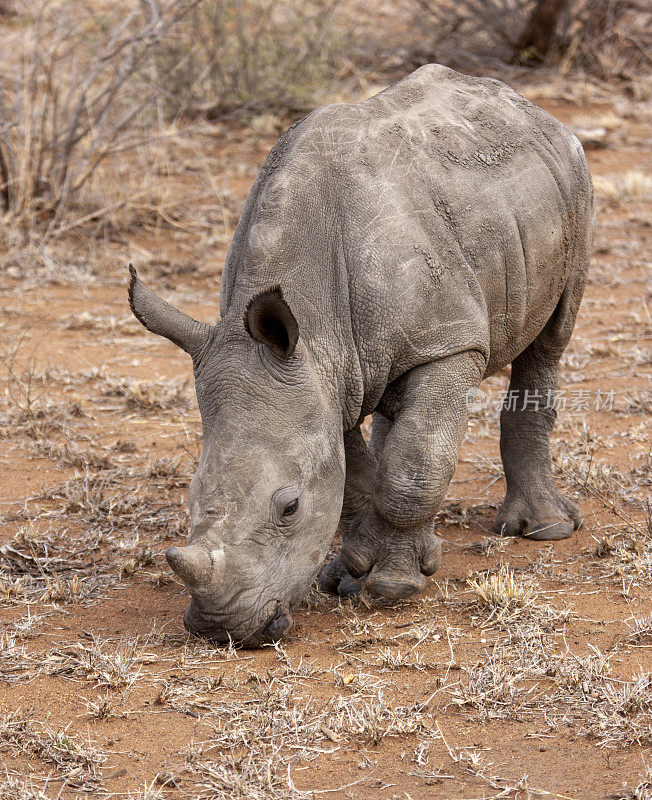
x,y
335,579
390,563
546,518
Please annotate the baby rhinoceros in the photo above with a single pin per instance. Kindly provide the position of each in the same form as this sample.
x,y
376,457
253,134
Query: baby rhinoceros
x,y
391,254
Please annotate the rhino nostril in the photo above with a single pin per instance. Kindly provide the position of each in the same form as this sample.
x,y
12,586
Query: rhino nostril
x,y
272,630
192,620
278,627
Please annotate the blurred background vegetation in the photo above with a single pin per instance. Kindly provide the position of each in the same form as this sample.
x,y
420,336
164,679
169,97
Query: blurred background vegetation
x,y
84,85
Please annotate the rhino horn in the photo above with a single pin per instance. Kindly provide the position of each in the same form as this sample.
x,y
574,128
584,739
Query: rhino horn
x,y
195,565
166,320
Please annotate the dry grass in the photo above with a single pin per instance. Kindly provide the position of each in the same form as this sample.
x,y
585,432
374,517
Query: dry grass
x,y
249,778
502,593
622,714
643,791
631,187
15,786
76,762
108,667
16,663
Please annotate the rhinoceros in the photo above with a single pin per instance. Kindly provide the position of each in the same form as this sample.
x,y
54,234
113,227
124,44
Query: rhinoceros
x,y
391,254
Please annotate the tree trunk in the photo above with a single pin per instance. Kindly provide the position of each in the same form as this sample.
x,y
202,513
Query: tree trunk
x,y
540,28
4,182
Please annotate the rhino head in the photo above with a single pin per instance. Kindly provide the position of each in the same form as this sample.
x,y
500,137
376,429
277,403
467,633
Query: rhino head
x,y
267,494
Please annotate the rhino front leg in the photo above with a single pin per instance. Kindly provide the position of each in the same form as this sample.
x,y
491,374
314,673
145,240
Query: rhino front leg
x,y
391,543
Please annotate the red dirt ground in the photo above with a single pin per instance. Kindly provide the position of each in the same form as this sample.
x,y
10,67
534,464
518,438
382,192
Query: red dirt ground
x,y
538,736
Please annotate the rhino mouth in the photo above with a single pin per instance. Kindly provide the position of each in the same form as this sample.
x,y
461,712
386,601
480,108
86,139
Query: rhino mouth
x,y
272,630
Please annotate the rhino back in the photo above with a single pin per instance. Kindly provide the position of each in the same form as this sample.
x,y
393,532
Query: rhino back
x,y
443,214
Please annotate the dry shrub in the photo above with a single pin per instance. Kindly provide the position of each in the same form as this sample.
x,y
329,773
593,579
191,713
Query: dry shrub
x,y
87,95
253,56
610,38
76,86
483,24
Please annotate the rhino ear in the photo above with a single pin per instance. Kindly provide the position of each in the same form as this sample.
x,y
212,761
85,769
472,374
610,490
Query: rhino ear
x,y
269,319
162,318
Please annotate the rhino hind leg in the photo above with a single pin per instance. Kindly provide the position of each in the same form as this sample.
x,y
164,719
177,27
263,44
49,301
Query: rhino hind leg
x,y
380,428
361,465
533,506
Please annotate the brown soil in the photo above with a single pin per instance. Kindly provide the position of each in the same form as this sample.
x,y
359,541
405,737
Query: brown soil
x,y
95,398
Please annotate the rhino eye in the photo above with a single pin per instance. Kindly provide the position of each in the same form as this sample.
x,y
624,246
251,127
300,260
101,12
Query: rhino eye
x,y
285,505
291,508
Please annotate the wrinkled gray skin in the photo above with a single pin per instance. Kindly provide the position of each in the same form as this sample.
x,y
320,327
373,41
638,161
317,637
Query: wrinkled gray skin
x,y
418,242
